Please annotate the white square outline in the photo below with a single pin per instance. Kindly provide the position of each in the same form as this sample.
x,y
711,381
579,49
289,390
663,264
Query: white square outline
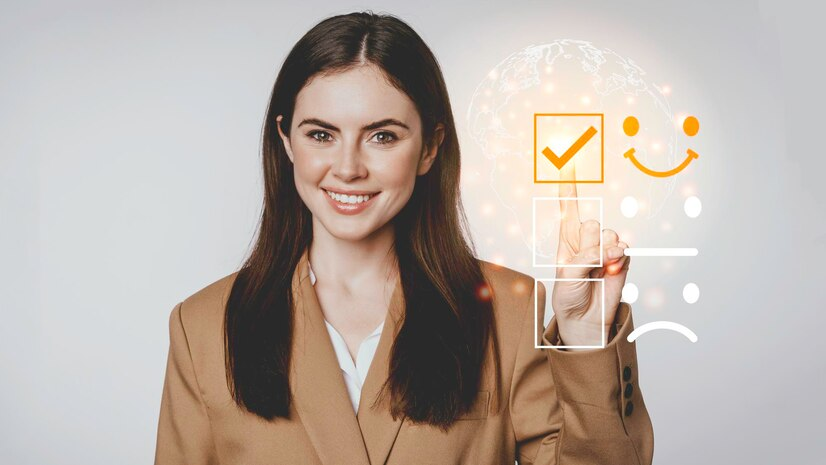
x,y
536,344
533,232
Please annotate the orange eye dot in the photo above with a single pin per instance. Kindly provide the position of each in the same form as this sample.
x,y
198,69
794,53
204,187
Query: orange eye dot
x,y
631,126
691,126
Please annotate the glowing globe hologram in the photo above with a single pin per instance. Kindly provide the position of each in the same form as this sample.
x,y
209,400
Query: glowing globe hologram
x,y
569,76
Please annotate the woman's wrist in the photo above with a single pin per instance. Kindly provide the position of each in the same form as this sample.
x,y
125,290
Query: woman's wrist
x,y
580,333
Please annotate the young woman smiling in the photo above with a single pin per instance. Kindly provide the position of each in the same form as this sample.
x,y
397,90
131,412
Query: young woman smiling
x,y
362,329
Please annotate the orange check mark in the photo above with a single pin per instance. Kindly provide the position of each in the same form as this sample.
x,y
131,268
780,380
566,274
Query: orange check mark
x,y
558,161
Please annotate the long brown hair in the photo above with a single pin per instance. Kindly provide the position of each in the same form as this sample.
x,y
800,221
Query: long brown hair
x,y
439,350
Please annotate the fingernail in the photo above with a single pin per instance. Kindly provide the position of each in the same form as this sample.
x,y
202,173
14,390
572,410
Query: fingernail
x,y
615,252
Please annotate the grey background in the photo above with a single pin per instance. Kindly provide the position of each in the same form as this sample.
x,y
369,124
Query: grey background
x,y
130,178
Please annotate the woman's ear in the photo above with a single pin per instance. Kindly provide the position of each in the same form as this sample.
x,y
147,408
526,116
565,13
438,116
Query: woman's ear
x,y
431,149
284,138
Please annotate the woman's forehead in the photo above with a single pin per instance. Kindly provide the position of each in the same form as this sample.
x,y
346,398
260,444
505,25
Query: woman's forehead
x,y
354,97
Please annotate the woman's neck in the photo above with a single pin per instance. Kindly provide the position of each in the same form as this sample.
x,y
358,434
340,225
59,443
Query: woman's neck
x,y
352,266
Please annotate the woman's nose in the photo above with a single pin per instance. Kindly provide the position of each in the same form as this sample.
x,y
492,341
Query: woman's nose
x,y
349,164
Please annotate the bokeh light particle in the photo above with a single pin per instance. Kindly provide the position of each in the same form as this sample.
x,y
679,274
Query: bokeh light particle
x,y
654,298
484,292
514,229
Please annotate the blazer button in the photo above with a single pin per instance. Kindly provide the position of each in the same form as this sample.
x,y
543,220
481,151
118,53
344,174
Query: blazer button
x,y
626,373
629,389
629,408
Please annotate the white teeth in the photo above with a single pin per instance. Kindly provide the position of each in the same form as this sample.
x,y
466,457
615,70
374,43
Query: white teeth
x,y
352,199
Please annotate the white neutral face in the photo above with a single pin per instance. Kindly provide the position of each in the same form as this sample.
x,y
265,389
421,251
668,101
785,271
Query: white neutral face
x,y
356,147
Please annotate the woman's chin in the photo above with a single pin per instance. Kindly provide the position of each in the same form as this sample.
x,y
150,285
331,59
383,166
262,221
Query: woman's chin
x,y
350,233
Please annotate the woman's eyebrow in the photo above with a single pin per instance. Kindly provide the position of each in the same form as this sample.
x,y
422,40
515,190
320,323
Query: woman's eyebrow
x,y
374,125
385,122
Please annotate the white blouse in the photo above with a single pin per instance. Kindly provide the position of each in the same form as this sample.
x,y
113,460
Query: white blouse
x,y
354,371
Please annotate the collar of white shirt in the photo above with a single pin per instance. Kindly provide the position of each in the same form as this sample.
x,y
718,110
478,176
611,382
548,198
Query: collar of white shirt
x,y
355,372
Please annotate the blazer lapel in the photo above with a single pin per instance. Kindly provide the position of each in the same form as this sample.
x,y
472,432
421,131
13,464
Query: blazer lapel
x,y
318,388
377,426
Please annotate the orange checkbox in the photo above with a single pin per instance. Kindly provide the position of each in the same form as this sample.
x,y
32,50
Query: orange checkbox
x,y
565,138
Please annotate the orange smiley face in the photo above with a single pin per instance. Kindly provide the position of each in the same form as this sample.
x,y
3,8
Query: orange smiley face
x,y
631,126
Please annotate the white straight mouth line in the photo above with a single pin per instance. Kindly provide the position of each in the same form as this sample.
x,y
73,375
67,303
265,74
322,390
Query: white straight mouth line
x,y
661,252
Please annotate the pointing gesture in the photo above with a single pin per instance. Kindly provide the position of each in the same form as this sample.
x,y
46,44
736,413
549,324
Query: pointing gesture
x,y
577,305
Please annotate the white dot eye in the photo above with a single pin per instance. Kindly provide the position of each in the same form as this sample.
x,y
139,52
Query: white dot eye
x,y
629,207
693,207
630,293
691,293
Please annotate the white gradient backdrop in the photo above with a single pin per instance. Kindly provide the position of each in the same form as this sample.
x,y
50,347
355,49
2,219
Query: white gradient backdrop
x,y
130,178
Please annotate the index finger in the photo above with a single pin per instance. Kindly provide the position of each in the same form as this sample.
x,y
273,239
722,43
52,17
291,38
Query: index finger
x,y
568,203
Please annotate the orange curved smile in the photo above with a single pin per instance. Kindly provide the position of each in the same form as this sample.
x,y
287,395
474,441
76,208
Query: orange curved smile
x,y
660,174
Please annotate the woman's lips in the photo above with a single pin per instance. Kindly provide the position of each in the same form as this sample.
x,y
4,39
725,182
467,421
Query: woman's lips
x,y
349,208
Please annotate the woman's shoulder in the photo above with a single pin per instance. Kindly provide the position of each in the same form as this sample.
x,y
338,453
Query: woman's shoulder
x,y
511,289
501,273
203,311
513,304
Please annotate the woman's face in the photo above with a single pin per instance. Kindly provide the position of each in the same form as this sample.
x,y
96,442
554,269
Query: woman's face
x,y
357,137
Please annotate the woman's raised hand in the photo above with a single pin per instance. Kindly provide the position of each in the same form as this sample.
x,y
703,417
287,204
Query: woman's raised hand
x,y
577,305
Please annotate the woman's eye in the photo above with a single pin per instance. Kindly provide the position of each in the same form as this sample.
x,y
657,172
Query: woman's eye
x,y
320,136
384,137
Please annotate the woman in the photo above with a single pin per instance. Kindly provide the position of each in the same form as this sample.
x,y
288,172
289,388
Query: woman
x,y
361,262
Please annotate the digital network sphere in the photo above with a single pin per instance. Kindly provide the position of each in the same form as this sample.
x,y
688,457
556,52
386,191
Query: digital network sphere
x,y
570,76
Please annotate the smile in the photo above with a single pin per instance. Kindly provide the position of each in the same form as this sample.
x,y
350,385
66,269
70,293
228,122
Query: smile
x,y
661,174
349,204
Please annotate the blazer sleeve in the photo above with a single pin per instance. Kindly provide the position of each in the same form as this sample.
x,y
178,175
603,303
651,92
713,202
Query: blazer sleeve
x,y
578,407
184,434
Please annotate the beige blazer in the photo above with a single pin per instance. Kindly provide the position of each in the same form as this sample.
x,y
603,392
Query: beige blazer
x,y
552,407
